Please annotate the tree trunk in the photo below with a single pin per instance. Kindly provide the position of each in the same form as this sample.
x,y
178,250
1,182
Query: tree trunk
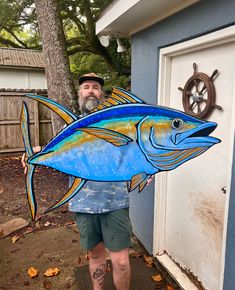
x,y
59,79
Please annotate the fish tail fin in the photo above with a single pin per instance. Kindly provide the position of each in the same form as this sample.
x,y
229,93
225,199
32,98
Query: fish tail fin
x,y
24,124
74,189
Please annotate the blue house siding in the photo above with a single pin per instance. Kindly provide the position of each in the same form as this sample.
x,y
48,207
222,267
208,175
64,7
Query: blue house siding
x,y
199,19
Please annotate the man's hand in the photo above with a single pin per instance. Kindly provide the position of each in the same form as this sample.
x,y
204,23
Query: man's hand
x,y
150,179
24,159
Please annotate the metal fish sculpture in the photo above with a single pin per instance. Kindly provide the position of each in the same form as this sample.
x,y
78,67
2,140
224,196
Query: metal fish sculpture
x,y
123,139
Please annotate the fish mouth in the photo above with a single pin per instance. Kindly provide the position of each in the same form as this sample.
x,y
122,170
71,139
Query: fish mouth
x,y
197,137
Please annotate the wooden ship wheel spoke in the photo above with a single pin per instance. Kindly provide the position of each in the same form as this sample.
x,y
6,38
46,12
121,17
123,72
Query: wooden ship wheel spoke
x,y
198,94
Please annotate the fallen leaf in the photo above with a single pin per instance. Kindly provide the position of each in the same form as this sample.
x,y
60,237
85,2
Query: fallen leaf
x,y
169,287
87,256
15,238
148,261
14,158
28,231
75,229
108,268
160,285
1,233
136,255
52,272
47,284
37,225
47,224
69,223
43,199
1,191
33,272
157,278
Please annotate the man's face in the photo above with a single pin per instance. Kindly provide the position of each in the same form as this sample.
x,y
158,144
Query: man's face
x,y
90,95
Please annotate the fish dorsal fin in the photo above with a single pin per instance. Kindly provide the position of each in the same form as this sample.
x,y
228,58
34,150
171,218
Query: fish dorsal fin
x,y
68,116
110,136
119,97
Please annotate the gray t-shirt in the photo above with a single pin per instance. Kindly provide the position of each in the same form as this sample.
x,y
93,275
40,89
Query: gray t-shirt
x,y
100,197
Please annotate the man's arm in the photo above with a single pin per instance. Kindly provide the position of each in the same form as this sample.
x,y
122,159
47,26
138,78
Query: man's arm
x,y
23,159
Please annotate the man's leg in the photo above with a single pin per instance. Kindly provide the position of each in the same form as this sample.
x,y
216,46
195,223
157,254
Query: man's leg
x,y
121,269
97,266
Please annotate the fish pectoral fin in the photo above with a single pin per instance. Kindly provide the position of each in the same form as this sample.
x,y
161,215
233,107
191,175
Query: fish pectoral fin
x,y
110,136
119,97
140,180
74,189
67,115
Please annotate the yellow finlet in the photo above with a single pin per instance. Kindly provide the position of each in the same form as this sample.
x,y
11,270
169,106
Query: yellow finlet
x,y
118,97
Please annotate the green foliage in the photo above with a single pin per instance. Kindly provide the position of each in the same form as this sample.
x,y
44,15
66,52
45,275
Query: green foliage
x,y
115,80
19,28
85,63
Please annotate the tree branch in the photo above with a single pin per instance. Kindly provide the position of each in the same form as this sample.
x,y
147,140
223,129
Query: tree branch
x,y
16,38
89,18
76,49
9,43
81,27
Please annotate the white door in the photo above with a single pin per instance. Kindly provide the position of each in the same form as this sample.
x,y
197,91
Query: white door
x,y
191,203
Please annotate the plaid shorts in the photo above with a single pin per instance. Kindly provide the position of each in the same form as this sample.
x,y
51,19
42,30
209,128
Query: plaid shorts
x,y
113,228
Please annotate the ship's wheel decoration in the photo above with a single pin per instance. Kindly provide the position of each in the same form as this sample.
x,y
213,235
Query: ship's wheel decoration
x,y
199,94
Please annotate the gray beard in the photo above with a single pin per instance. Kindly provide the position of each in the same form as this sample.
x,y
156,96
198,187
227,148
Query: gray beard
x,y
89,105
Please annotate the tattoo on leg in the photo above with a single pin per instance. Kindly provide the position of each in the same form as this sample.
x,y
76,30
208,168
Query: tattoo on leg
x,y
99,274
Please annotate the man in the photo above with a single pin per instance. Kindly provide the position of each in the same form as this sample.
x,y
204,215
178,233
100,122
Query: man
x,y
101,208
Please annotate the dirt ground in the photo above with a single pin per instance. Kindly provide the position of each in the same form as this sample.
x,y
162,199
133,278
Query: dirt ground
x,y
50,242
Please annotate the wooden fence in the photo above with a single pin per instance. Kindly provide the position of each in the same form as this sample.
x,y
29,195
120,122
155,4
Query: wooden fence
x,y
10,108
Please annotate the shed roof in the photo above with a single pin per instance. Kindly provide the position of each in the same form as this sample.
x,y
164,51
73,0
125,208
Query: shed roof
x,y
21,58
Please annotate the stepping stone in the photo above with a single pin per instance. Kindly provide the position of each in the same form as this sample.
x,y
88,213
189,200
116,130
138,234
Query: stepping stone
x,y
12,226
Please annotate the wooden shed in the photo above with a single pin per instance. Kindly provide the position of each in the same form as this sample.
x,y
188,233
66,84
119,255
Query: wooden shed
x,y
22,71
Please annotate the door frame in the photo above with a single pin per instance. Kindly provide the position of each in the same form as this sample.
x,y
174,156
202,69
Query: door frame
x,y
222,36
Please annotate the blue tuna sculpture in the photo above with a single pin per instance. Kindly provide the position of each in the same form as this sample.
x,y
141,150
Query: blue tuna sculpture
x,y
123,139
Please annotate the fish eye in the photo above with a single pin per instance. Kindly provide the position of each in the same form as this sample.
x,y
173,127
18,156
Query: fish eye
x,y
177,123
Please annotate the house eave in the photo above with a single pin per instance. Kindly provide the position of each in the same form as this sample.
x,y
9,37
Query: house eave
x,y
127,17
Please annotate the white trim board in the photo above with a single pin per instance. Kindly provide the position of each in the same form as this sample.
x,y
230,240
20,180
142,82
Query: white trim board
x,y
222,36
183,280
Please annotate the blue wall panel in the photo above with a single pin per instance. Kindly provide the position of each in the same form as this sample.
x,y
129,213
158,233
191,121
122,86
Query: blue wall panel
x,y
229,271
198,19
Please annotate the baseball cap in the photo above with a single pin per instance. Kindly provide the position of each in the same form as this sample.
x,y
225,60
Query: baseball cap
x,y
91,77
